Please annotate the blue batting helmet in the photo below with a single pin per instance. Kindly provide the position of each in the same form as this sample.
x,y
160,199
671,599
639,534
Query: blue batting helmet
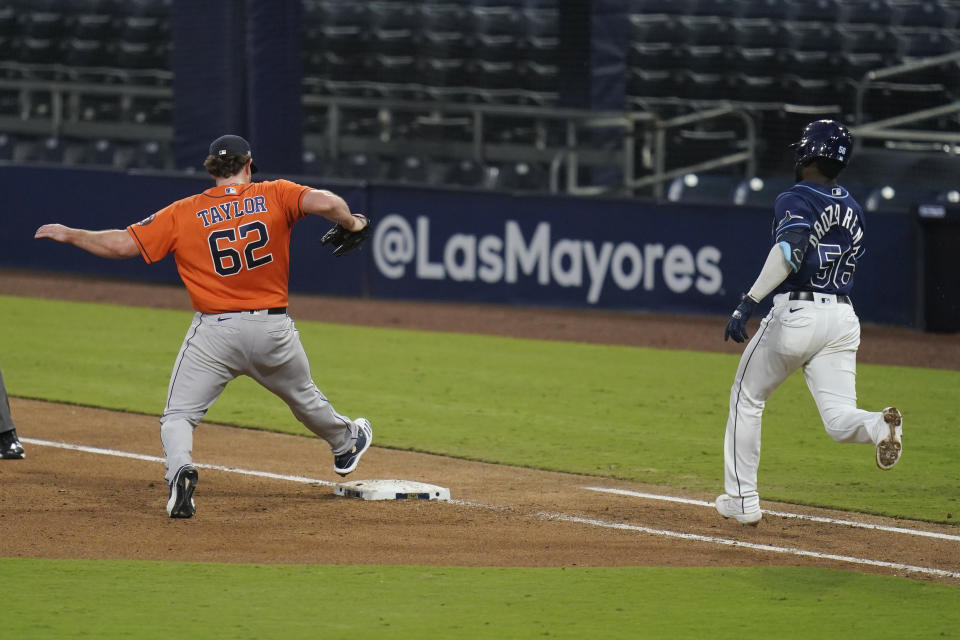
x,y
824,139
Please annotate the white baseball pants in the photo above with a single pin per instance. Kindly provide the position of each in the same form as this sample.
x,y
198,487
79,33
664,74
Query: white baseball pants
x,y
822,337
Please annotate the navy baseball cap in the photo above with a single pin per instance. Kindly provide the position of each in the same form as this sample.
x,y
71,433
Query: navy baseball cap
x,y
230,145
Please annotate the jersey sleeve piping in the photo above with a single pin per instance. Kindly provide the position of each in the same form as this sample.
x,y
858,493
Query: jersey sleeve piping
x,y
140,247
300,201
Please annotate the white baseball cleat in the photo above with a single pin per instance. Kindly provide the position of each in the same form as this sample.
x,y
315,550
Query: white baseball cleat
x,y
730,507
889,449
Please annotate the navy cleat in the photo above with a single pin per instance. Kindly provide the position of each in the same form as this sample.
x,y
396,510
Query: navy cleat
x,y
180,504
347,461
10,447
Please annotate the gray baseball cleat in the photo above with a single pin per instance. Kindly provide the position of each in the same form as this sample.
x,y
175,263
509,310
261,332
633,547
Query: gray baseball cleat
x,y
730,507
180,504
889,449
10,447
347,461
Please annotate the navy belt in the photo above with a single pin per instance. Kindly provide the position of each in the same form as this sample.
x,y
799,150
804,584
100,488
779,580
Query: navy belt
x,y
273,312
809,295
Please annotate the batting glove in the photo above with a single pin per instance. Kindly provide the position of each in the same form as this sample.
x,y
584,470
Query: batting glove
x,y
737,325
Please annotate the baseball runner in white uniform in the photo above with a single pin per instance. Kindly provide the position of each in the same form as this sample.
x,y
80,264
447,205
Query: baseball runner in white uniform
x,y
818,237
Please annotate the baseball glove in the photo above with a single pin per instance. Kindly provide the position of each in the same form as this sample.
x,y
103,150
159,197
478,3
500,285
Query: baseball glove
x,y
344,241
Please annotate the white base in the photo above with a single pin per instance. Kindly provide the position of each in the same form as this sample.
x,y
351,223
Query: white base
x,y
391,490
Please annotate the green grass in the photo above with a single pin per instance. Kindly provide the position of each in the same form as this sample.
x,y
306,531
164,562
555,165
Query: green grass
x,y
640,414
143,600
647,415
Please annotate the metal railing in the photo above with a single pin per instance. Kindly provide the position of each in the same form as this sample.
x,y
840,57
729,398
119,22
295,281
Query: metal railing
x,y
567,141
886,129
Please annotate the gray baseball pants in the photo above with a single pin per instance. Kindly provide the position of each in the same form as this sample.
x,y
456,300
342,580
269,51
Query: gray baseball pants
x,y
6,420
218,348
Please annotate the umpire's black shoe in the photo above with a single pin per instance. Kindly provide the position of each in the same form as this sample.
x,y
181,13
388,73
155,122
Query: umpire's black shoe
x,y
347,462
180,504
10,447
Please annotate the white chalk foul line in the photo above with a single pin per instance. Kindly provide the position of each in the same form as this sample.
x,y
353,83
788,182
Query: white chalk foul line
x,y
549,516
785,514
752,545
199,465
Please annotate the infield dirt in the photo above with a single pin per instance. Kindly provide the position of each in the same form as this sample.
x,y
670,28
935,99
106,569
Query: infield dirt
x,y
69,504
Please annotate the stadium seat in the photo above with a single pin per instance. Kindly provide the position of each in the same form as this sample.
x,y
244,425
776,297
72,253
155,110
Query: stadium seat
x,y
671,7
925,13
316,163
865,49
706,188
756,88
362,166
445,18
42,51
757,33
100,153
46,150
705,86
43,24
92,107
654,55
705,30
761,10
653,28
7,143
716,8
878,12
705,59
897,199
939,171
409,169
466,173
522,176
652,83
686,147
811,10
149,155
760,192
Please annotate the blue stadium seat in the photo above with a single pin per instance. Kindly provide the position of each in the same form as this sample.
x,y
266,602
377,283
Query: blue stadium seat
x,y
878,12
652,83
466,173
654,55
718,8
522,176
756,88
653,28
760,192
671,7
812,10
898,198
705,188
150,155
362,166
7,143
757,33
926,13
100,153
761,10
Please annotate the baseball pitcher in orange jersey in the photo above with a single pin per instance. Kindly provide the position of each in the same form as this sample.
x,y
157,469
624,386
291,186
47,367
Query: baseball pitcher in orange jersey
x,y
231,244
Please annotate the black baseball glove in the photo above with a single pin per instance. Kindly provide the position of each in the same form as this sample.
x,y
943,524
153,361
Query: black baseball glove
x,y
344,241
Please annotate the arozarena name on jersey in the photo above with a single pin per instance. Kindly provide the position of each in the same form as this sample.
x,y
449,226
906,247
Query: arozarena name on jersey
x,y
565,262
233,209
830,218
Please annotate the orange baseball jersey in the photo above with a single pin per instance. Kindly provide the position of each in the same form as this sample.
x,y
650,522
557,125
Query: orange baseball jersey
x,y
231,243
